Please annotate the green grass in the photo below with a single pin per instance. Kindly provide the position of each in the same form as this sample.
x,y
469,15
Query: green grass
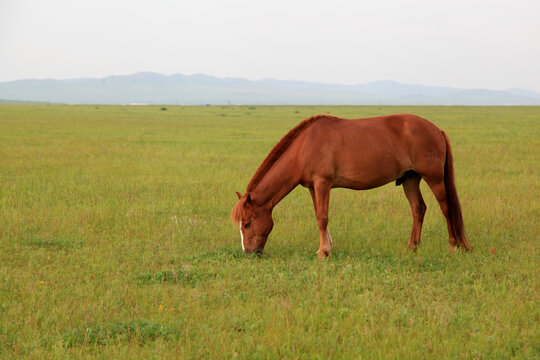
x,y
115,241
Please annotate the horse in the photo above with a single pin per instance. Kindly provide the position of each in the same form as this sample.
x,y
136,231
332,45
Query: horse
x,y
324,152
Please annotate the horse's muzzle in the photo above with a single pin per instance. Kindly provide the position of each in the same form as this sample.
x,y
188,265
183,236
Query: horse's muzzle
x,y
257,252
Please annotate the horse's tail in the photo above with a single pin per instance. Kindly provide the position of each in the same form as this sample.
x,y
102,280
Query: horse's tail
x,y
454,208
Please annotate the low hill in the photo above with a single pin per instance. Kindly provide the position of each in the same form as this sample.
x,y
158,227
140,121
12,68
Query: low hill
x,y
154,88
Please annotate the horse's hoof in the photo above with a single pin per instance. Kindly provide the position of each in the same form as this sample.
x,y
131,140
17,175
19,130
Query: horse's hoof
x,y
466,247
323,254
412,248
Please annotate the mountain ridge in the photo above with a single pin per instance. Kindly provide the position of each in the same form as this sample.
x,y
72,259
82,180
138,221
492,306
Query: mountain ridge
x,y
179,89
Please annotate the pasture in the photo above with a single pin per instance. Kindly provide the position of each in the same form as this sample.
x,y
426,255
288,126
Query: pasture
x,y
116,241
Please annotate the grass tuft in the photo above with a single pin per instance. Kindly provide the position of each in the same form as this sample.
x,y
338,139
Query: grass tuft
x,y
191,277
54,242
138,331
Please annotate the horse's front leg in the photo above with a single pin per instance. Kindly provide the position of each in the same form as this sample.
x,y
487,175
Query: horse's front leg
x,y
320,193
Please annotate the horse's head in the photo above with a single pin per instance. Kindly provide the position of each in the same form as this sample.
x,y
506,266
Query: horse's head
x,y
255,223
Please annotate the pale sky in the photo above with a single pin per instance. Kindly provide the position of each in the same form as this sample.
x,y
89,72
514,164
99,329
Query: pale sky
x,y
488,44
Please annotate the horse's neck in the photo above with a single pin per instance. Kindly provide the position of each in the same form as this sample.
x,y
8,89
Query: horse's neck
x,y
276,184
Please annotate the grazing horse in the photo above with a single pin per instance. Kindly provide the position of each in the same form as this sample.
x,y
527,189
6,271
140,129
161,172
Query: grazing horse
x,y
325,152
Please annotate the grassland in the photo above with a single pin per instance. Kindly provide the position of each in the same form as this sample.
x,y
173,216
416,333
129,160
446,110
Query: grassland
x,y
115,242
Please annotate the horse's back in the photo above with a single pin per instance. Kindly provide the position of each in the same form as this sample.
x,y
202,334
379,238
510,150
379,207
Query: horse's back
x,y
370,152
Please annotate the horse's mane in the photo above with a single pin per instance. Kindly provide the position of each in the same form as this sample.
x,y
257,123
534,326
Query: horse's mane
x,y
239,211
279,149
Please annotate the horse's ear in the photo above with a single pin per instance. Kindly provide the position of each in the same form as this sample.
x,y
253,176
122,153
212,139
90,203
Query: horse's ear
x,y
248,199
239,195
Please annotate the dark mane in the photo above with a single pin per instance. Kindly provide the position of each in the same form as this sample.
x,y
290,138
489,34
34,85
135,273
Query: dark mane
x,y
280,148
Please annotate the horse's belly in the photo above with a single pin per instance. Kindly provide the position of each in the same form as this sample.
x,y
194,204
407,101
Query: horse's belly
x,y
363,180
367,172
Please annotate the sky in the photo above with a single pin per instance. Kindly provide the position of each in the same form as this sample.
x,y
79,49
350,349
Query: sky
x,y
487,44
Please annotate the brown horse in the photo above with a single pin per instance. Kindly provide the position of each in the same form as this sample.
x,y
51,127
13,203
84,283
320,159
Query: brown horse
x,y
325,152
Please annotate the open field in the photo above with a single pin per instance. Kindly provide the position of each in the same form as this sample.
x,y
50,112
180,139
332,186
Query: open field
x,y
115,241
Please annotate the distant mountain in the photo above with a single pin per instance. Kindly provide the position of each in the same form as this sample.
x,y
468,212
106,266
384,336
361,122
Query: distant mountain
x,y
21,102
154,88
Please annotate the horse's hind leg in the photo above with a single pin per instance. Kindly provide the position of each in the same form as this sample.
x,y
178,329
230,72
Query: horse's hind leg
x,y
411,187
439,190
320,193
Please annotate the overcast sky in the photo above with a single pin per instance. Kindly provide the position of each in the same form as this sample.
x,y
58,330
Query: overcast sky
x,y
462,43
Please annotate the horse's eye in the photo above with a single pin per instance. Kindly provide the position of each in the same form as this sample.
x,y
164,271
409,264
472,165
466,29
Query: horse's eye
x,y
247,225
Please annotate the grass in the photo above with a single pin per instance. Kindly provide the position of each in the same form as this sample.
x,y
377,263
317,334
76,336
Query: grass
x,y
111,333
115,241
